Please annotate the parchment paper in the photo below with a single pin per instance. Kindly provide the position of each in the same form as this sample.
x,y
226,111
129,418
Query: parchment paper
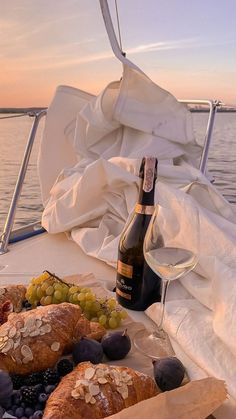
x,y
194,400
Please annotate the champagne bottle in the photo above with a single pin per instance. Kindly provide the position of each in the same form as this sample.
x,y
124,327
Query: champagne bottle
x,y
137,286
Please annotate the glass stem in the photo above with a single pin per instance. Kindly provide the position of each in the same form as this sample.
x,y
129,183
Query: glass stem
x,y
165,284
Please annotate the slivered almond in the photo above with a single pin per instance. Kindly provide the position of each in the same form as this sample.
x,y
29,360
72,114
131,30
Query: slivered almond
x,y
75,394
87,397
2,291
26,351
3,333
35,332
55,346
38,322
92,400
46,328
94,389
123,390
89,373
100,373
81,382
102,380
30,322
8,345
12,332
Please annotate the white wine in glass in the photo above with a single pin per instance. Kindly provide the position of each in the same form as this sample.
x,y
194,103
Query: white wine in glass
x,y
170,254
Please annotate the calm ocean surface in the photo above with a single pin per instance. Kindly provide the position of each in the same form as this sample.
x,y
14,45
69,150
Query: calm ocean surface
x,y
13,137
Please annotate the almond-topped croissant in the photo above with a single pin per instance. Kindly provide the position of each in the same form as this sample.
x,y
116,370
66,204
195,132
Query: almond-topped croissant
x,y
13,293
35,340
97,391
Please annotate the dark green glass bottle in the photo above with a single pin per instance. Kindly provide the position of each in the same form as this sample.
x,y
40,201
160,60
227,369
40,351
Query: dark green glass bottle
x,y
137,286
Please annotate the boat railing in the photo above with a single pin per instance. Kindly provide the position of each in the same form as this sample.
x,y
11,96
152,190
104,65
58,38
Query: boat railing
x,y
5,237
35,228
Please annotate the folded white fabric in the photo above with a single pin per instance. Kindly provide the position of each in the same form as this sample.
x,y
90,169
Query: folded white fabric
x,y
89,160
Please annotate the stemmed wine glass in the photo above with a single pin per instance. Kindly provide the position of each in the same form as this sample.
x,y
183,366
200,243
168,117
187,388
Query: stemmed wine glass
x,y
171,248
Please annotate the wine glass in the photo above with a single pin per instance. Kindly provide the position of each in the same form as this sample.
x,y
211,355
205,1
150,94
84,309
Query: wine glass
x,y
171,248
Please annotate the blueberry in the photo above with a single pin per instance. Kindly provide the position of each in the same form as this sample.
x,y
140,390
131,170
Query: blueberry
x,y
22,404
49,389
16,397
14,407
29,411
19,412
38,414
42,398
10,412
39,388
39,406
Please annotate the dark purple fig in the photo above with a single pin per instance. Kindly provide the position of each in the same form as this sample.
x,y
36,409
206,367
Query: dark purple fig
x,y
116,345
6,388
168,373
87,350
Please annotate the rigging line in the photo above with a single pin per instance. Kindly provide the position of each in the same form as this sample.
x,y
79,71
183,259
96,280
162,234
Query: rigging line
x,y
118,26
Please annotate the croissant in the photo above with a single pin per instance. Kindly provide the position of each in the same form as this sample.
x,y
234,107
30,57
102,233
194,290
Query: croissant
x,y
13,293
35,340
98,391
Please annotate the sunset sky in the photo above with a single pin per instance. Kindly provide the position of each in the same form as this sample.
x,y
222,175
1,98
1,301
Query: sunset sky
x,y
187,47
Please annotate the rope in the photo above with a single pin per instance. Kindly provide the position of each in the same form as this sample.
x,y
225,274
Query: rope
x,y
118,26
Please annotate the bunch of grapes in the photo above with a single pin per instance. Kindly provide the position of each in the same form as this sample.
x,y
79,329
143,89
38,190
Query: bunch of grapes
x,y
49,289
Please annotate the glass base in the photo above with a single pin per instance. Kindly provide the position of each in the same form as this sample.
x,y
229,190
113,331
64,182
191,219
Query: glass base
x,y
154,345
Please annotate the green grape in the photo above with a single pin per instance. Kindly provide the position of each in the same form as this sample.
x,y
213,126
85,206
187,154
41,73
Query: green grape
x,y
96,307
44,286
123,314
50,290
82,304
42,301
81,296
75,298
114,314
111,303
58,286
48,300
71,299
99,313
88,296
58,294
88,305
39,293
112,322
102,319
93,298
73,289
54,300
85,289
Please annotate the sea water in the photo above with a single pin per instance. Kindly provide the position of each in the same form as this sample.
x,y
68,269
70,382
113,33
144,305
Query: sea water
x,y
13,137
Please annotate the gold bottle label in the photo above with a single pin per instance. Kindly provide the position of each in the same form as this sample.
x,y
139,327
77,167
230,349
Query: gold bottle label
x,y
123,294
144,209
124,269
